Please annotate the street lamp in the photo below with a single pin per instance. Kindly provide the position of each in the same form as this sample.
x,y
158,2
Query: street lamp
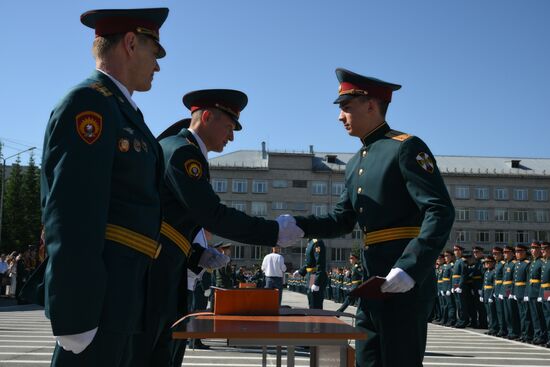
x,y
4,184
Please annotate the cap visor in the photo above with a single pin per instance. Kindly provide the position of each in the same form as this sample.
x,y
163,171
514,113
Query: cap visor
x,y
343,98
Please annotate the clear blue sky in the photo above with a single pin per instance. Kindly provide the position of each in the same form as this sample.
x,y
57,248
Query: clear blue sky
x,y
475,73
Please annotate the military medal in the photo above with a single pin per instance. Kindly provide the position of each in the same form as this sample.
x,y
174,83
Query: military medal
x,y
123,145
144,146
137,145
89,125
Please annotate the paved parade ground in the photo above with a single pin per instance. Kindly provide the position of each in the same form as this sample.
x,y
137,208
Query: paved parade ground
x,y
26,340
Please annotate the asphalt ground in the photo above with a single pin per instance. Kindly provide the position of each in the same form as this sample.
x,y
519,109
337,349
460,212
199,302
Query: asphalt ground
x,y
26,340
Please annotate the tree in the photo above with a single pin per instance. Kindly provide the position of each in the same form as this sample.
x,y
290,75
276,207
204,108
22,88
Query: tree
x,y
31,200
14,209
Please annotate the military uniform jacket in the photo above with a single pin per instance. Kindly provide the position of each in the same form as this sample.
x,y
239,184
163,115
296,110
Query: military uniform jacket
x,y
508,278
488,285
545,280
356,276
535,272
476,275
520,279
224,277
100,184
499,276
446,276
315,264
189,201
459,274
392,182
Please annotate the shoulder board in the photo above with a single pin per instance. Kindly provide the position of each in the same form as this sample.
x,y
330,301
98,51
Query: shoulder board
x,y
193,144
526,261
503,262
397,135
514,261
101,89
452,263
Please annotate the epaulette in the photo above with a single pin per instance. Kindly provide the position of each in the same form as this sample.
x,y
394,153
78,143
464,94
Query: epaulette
x,y
101,89
502,262
526,261
514,261
193,144
397,135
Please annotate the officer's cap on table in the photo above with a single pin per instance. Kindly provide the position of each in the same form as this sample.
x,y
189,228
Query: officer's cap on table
x,y
222,244
113,21
175,128
353,85
230,101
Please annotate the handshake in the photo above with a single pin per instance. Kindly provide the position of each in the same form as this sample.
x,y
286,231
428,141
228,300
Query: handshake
x,y
289,232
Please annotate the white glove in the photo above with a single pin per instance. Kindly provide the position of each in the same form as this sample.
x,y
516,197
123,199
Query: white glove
x,y
289,232
213,259
548,299
458,290
448,293
452,290
207,292
490,300
442,293
539,299
76,343
526,299
481,299
314,288
515,297
296,273
397,281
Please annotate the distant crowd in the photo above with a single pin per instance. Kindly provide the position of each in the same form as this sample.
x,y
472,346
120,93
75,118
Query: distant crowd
x,y
15,269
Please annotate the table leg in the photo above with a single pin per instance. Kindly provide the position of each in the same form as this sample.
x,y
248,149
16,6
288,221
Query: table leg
x,y
278,356
264,356
290,356
313,356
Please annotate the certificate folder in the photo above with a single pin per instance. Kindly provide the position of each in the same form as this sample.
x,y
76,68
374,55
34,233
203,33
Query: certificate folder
x,y
371,289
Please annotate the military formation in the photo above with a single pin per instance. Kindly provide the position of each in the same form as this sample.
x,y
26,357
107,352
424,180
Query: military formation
x,y
507,292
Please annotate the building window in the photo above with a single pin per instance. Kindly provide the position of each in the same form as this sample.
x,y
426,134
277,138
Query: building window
x,y
462,236
259,208
299,206
237,252
501,237
319,188
219,185
357,234
256,252
482,215
299,183
541,194
279,184
482,237
522,236
501,215
482,193
319,209
337,254
337,188
239,186
542,235
239,205
278,205
542,216
520,194
501,194
462,214
259,186
462,192
520,216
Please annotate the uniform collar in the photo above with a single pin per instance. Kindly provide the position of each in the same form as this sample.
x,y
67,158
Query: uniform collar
x,y
375,134
122,88
201,143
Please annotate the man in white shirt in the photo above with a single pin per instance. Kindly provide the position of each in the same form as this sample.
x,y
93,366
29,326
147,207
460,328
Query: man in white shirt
x,y
3,274
274,268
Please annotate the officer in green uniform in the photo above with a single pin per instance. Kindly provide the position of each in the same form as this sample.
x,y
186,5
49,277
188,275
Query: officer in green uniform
x,y
488,296
511,313
315,273
100,184
520,294
396,195
533,290
498,291
439,316
224,275
459,287
478,270
544,295
189,204
356,279
450,303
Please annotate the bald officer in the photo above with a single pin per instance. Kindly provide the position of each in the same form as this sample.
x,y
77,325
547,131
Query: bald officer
x,y
395,194
100,184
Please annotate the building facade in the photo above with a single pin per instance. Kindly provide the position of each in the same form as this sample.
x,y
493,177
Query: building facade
x,y
498,200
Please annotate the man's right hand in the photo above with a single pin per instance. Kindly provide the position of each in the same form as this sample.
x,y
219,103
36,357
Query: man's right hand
x,y
213,259
76,343
289,232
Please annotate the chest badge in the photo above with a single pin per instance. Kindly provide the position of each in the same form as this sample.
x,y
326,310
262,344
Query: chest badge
x,y
129,130
426,162
137,145
89,125
144,146
193,168
123,145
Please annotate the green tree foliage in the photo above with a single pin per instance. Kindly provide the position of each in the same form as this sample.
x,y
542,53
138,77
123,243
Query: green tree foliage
x,y
13,225
31,200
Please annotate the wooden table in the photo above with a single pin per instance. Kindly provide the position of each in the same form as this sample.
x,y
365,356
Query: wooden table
x,y
327,336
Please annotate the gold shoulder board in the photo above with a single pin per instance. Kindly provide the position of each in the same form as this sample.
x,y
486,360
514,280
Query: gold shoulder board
x,y
397,135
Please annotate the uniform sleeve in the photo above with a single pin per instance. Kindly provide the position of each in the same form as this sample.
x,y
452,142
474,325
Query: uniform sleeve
x,y
427,189
187,181
76,183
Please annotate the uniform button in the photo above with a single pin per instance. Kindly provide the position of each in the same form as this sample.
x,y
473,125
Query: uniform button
x,y
360,171
359,190
364,154
361,210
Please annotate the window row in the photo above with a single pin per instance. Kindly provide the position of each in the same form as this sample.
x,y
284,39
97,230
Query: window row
x,y
500,193
500,236
261,186
502,215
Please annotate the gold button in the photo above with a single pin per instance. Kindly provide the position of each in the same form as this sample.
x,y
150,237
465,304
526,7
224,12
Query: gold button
x,y
158,251
360,171
359,190
364,153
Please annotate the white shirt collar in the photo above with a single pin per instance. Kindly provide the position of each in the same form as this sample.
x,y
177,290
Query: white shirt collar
x,y
122,88
201,143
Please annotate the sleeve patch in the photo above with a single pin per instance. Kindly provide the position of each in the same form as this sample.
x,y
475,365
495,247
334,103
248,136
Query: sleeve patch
x,y
89,125
193,168
426,162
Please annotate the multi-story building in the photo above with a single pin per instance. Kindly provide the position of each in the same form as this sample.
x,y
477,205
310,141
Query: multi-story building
x,y
498,200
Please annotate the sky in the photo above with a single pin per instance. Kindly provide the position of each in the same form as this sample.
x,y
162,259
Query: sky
x,y
475,73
